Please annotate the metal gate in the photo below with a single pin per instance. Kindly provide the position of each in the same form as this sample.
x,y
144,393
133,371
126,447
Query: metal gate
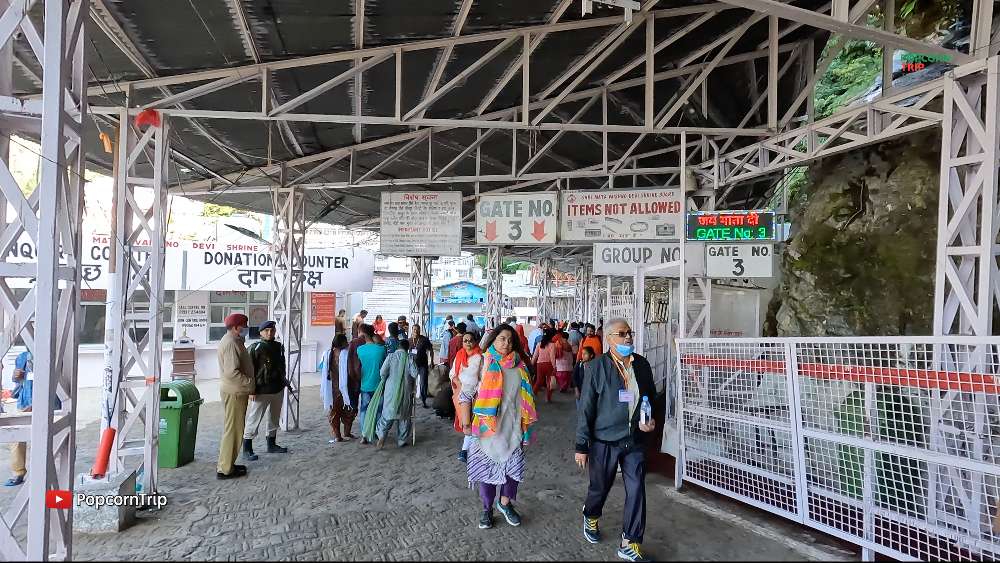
x,y
890,443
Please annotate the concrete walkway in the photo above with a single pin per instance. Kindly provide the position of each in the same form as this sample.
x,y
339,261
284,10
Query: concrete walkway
x,y
347,501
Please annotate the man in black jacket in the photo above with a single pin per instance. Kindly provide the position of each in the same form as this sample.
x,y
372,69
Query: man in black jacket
x,y
608,435
268,357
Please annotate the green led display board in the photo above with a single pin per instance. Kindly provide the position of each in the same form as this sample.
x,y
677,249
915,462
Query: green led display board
x,y
730,226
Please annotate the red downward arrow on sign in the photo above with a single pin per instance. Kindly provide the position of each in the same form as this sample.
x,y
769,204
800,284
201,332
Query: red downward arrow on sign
x,y
491,230
539,230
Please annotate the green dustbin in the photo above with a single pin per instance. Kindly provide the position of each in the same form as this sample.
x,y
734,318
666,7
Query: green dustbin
x,y
179,405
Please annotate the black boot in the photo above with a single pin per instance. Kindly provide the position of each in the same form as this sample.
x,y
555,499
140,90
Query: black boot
x,y
274,448
248,450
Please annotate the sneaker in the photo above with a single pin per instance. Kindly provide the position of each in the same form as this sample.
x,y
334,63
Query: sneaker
x,y
463,456
631,552
14,481
511,515
486,520
590,530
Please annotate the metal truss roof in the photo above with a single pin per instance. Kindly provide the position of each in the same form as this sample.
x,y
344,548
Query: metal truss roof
x,y
353,97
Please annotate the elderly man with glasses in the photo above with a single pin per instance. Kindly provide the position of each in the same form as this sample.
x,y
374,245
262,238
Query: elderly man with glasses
x,y
608,435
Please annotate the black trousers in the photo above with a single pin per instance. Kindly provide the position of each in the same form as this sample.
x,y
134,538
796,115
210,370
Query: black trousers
x,y
603,461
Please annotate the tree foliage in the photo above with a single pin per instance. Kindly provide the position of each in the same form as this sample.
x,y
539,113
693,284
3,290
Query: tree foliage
x,y
509,266
215,210
850,74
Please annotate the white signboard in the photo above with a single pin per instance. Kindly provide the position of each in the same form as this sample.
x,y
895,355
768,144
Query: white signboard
x,y
249,268
739,260
517,219
622,259
96,251
605,215
191,317
210,266
421,224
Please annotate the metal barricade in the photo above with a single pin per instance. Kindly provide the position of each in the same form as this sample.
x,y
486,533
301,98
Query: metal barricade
x,y
890,443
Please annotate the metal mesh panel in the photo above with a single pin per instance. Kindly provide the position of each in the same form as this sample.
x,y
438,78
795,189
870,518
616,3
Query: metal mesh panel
x,y
894,440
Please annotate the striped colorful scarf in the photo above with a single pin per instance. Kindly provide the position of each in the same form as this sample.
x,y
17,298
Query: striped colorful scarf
x,y
487,406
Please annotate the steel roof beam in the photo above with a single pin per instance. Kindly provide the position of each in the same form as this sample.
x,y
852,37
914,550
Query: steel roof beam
x,y
313,60
250,45
660,46
581,95
359,43
515,67
445,55
461,77
341,78
453,123
109,25
422,181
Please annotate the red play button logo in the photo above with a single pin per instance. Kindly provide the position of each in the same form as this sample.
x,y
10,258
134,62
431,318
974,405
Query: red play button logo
x,y
58,499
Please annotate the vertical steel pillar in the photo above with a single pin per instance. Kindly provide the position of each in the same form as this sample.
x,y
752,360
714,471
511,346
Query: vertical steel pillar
x,y
695,300
287,273
583,275
134,342
420,292
494,286
544,289
594,300
46,318
967,282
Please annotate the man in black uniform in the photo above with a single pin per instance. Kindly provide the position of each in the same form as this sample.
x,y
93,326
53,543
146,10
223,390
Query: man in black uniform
x,y
268,357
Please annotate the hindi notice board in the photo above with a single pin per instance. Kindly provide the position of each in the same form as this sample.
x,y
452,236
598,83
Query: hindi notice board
x,y
324,308
421,224
524,219
610,215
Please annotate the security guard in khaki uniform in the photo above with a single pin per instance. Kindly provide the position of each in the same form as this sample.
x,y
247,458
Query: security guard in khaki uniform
x,y
236,375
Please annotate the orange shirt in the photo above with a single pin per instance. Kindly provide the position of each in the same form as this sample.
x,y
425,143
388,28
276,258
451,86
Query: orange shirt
x,y
592,341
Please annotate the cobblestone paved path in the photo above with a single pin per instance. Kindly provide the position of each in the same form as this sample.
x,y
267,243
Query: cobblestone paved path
x,y
347,501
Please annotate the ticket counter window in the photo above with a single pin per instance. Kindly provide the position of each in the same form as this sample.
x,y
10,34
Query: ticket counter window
x,y
253,304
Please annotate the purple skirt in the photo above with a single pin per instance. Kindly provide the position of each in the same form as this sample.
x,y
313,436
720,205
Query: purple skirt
x,y
482,469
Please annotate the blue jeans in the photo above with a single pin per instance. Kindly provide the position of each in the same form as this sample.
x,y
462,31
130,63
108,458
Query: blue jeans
x,y
366,398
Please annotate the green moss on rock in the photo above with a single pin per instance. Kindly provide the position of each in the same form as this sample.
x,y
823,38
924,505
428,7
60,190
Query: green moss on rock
x,y
861,257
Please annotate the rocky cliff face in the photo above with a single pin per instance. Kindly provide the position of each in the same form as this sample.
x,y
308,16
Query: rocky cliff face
x,y
862,251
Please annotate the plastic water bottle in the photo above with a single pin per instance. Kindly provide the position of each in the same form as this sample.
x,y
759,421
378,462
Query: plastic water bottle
x,y
645,411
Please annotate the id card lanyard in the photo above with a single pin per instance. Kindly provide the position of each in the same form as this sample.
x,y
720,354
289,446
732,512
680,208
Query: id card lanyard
x,y
624,375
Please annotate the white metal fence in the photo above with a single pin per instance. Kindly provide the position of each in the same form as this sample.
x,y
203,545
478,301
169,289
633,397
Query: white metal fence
x,y
890,443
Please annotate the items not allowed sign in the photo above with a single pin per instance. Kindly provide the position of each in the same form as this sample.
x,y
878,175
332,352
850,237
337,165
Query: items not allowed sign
x,y
739,260
623,259
517,219
597,215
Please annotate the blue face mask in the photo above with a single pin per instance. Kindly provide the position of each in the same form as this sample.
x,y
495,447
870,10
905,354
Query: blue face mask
x,y
624,350
244,332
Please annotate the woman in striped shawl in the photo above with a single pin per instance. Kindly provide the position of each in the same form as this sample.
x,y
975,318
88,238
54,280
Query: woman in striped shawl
x,y
498,407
